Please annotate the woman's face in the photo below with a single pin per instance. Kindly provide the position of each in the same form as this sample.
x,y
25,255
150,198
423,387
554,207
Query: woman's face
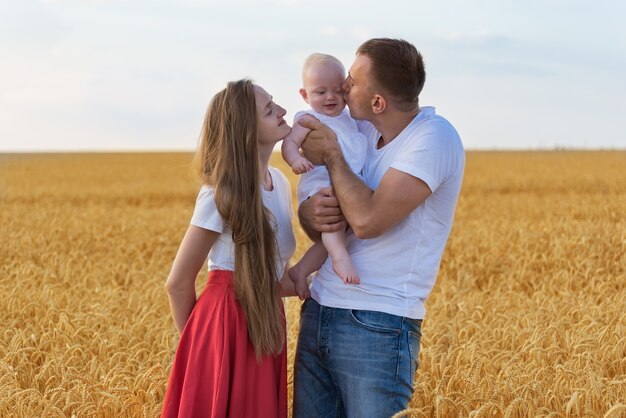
x,y
271,127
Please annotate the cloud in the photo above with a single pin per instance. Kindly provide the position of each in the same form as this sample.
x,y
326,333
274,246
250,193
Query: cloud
x,y
330,31
481,38
32,28
360,34
484,53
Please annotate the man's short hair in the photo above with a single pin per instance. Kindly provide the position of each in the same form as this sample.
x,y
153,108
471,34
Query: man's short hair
x,y
397,68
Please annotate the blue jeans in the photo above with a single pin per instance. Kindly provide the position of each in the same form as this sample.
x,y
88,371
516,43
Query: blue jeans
x,y
353,363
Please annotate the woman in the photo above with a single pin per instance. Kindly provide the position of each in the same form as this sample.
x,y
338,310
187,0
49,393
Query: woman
x,y
231,358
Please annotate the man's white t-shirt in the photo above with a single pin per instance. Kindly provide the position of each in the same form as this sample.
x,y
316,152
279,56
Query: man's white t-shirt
x,y
278,201
398,269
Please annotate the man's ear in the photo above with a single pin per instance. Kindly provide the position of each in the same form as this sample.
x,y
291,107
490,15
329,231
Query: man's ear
x,y
379,104
304,95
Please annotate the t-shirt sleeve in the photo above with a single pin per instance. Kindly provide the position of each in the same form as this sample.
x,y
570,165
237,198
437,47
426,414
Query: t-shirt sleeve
x,y
301,113
426,157
205,214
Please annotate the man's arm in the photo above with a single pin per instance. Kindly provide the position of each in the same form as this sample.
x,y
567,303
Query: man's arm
x,y
369,212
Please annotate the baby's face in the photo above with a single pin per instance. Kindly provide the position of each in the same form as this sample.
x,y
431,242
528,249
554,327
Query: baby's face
x,y
322,89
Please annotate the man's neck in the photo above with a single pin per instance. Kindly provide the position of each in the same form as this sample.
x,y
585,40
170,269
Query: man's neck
x,y
391,124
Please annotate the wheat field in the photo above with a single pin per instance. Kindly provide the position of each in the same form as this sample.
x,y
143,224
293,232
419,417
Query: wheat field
x,y
528,317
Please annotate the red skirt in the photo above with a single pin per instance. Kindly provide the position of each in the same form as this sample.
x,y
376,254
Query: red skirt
x,y
215,371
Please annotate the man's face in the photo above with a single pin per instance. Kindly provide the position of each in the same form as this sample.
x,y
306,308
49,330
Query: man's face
x,y
358,88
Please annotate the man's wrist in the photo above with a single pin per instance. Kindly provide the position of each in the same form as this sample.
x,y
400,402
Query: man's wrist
x,y
333,157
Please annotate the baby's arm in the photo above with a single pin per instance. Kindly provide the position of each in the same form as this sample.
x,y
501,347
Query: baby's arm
x,y
291,147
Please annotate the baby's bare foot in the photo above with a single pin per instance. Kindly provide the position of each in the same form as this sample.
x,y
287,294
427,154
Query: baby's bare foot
x,y
346,271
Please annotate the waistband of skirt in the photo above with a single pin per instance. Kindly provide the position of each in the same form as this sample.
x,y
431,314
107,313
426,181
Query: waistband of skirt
x,y
220,276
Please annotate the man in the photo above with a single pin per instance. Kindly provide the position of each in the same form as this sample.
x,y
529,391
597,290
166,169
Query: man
x,y
358,344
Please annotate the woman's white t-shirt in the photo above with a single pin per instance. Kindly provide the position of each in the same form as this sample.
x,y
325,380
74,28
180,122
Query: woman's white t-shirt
x,y
278,201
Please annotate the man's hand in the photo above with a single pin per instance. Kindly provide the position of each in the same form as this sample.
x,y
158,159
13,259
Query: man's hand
x,y
321,213
321,143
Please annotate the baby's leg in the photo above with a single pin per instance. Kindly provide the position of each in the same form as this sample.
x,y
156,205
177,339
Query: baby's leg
x,y
335,243
311,261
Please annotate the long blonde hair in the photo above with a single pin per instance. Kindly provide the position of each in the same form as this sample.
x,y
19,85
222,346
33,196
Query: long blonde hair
x,y
228,160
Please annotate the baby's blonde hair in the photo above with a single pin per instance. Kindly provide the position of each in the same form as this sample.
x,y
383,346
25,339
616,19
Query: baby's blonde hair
x,y
317,58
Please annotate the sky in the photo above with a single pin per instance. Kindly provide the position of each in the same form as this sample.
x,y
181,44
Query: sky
x,y
126,75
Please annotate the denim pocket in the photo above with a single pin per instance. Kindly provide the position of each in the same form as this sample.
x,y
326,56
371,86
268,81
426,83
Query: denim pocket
x,y
414,350
377,321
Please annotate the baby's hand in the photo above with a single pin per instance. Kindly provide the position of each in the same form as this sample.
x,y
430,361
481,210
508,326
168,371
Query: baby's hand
x,y
302,165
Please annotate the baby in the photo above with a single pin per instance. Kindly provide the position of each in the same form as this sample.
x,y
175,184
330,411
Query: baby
x,y
322,80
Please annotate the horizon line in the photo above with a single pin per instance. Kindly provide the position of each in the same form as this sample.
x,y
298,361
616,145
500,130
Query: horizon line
x,y
186,151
